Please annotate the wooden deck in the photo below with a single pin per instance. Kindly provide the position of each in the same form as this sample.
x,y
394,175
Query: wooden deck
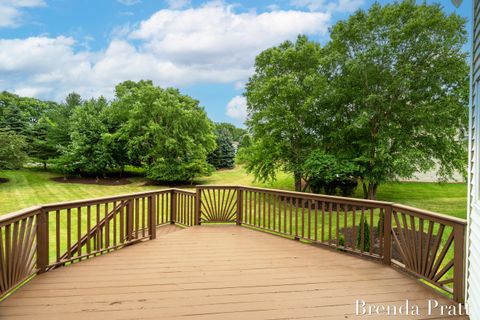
x,y
216,272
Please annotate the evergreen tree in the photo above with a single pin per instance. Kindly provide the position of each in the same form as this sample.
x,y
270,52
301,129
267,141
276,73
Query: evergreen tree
x,y
224,155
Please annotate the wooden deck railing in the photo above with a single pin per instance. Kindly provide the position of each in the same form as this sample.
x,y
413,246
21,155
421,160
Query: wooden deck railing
x,y
427,245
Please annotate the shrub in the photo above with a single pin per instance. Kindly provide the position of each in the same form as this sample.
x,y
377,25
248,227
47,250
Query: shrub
x,y
328,173
366,235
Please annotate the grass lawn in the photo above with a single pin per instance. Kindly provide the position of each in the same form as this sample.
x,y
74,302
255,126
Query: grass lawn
x,y
31,187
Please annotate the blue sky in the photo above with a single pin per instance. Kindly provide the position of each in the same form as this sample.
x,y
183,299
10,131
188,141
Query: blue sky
x,y
206,48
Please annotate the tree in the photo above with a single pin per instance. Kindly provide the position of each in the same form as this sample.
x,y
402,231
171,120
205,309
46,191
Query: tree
x,y
41,149
13,119
25,116
167,132
280,96
59,119
235,133
399,82
88,153
224,155
12,150
49,136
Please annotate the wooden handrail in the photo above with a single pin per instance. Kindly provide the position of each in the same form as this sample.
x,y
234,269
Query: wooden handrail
x,y
19,215
438,217
412,239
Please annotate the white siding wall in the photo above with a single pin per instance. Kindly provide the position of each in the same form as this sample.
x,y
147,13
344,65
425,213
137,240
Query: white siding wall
x,y
473,241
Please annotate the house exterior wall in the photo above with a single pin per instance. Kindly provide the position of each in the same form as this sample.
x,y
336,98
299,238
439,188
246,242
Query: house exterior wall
x,y
473,240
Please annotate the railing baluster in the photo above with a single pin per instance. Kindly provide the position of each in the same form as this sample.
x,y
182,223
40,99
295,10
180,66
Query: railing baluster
x,y
323,221
372,240
143,217
316,221
79,230
330,211
345,217
136,218
69,233
57,234
337,233
303,217
296,218
362,228
309,205
107,226
88,228
269,202
354,229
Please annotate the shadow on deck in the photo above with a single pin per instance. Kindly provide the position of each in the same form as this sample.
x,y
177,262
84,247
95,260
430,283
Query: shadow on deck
x,y
218,272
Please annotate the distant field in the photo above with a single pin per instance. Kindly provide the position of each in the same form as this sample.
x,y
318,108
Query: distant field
x,y
31,187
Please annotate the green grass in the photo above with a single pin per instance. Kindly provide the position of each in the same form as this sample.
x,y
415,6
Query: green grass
x,y
31,187
446,198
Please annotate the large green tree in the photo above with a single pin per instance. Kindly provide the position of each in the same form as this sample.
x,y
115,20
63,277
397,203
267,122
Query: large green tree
x,y
12,150
166,132
399,83
280,95
26,117
51,134
88,152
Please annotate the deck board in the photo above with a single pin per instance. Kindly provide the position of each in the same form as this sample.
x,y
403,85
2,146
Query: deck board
x,y
216,272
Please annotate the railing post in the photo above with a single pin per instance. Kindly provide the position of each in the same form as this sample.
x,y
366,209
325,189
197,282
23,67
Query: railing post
x,y
239,206
173,207
198,204
152,217
387,236
42,241
129,220
459,263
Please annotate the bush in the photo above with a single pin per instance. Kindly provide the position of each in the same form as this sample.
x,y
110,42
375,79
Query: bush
x,y
178,171
328,173
366,236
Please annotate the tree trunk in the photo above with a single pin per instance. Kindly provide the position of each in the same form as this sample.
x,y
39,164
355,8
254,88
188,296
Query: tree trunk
x,y
370,190
365,190
306,186
298,181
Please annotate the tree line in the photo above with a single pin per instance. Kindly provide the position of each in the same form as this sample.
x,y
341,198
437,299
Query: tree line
x,y
161,130
385,98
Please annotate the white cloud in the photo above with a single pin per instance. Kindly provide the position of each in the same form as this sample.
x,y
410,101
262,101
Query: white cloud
x,y
214,37
178,4
129,2
237,108
11,11
208,44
